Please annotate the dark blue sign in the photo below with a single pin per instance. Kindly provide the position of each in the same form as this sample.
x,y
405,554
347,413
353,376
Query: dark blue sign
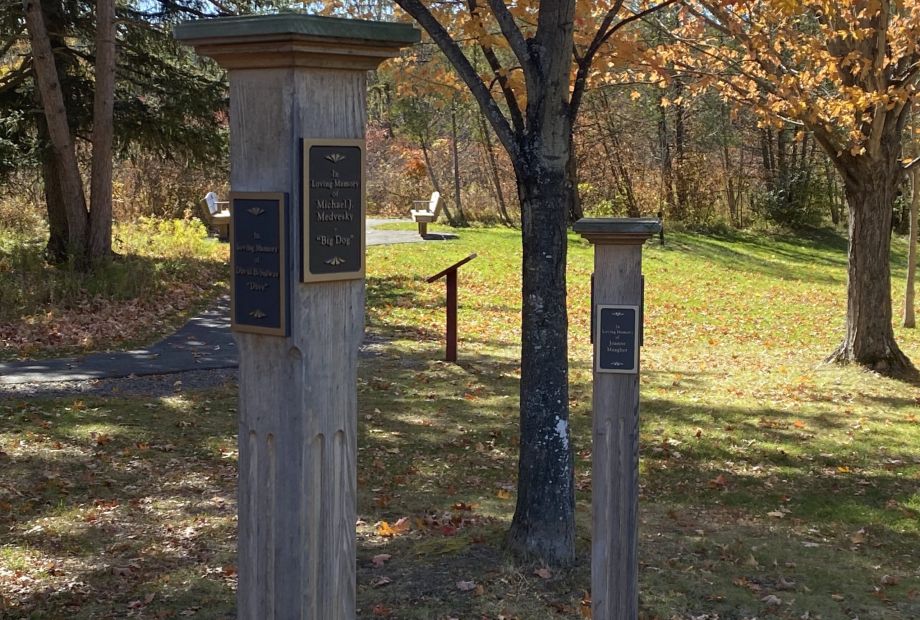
x,y
258,258
617,339
333,211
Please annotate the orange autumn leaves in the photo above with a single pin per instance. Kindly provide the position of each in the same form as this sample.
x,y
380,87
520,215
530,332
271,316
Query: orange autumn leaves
x,y
843,70
420,72
385,530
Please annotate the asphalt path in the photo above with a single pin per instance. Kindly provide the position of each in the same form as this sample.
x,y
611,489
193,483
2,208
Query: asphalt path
x,y
203,343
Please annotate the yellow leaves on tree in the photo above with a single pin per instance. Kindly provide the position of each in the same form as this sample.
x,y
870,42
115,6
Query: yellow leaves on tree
x,y
421,72
840,69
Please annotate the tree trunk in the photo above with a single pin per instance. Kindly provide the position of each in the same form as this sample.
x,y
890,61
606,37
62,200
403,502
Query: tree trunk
x,y
622,176
49,87
766,156
869,341
461,217
681,182
667,201
614,156
910,319
56,249
100,230
493,168
576,210
538,145
544,518
832,190
732,196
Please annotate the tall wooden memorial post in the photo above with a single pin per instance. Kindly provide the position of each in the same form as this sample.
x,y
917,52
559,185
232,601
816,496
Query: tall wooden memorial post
x,y
297,125
617,303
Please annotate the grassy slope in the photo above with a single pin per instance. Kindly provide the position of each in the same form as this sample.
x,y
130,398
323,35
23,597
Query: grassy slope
x,y
166,270
764,472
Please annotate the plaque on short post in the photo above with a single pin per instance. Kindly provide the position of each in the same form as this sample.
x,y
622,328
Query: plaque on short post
x,y
617,339
333,210
258,261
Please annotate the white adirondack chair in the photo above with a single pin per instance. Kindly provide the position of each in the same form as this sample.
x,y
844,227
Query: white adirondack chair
x,y
423,217
218,215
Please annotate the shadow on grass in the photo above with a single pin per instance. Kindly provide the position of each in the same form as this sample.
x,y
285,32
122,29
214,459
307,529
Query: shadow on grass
x,y
437,445
712,251
137,513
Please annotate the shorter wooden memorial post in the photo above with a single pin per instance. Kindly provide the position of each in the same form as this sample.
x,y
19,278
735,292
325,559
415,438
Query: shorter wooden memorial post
x,y
616,325
298,87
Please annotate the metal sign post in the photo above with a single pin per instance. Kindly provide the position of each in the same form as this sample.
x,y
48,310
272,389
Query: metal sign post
x,y
451,274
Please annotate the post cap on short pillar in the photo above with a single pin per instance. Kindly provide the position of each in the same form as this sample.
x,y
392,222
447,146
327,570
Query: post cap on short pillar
x,y
617,230
290,40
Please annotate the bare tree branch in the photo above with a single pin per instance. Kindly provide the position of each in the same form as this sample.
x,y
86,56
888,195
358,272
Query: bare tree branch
x,y
603,34
514,108
513,35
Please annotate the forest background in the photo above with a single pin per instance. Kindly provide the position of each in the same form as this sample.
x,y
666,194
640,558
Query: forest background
x,y
644,147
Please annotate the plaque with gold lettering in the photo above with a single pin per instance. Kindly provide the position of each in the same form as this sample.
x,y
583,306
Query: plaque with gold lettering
x,y
333,210
260,284
617,339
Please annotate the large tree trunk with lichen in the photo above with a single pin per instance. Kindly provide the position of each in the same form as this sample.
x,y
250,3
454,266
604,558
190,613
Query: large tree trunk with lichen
x,y
538,143
544,518
869,340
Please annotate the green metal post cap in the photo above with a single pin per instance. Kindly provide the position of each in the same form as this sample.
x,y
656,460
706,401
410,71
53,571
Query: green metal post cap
x,y
618,226
310,26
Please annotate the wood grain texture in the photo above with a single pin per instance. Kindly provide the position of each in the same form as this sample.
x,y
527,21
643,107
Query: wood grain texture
x,y
298,395
615,464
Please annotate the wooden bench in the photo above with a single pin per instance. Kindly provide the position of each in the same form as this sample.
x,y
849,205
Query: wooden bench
x,y
216,216
423,217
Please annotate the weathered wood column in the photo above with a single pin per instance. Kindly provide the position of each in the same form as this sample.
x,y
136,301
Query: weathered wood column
x,y
296,78
617,335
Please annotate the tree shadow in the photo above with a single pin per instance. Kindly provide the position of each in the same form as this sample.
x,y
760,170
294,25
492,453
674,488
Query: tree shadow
x,y
144,507
431,436
712,249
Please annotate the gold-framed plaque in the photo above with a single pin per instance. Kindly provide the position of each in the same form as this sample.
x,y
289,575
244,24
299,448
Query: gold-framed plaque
x,y
617,339
260,274
334,205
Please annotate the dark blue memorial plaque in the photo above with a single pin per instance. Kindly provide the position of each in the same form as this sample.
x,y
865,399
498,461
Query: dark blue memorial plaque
x,y
333,210
617,339
258,259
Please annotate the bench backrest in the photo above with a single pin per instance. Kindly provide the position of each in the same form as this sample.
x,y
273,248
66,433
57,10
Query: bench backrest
x,y
211,199
434,205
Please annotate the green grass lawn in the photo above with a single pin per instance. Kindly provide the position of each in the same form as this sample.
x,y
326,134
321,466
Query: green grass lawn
x,y
773,486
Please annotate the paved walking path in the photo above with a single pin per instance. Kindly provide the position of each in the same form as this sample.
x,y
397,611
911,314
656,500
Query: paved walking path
x,y
204,343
